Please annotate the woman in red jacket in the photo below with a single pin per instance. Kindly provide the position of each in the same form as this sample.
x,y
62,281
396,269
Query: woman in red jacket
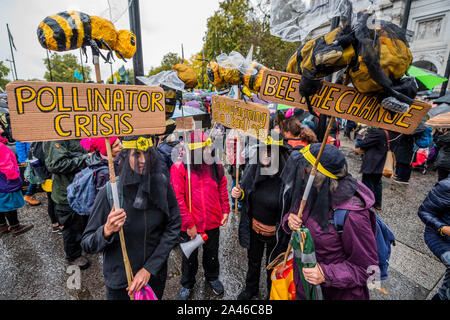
x,y
205,212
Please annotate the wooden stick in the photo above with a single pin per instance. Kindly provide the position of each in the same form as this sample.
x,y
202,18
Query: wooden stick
x,y
308,187
238,158
188,160
112,179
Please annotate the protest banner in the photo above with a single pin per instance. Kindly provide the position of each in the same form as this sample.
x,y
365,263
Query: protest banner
x,y
249,118
46,111
340,101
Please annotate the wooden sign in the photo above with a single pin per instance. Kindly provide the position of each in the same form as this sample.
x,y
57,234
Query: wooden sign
x,y
340,101
185,123
250,118
45,111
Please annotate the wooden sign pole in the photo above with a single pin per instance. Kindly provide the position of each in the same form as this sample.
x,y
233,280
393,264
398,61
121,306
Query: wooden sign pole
x,y
188,160
312,176
112,178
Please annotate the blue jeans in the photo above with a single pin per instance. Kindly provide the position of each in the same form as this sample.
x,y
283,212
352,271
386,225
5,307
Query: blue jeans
x,y
444,290
31,189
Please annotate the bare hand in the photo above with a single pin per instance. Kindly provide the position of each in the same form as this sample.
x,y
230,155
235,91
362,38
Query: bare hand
x,y
236,193
314,275
294,222
139,281
115,222
224,221
192,232
446,230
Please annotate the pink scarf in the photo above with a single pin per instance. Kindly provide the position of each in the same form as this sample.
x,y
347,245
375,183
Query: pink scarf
x,y
8,163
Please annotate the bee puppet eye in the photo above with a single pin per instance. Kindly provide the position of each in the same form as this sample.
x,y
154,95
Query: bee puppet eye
x,y
133,41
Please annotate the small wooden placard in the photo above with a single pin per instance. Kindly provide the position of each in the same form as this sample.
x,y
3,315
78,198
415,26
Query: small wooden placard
x,y
249,118
46,111
340,101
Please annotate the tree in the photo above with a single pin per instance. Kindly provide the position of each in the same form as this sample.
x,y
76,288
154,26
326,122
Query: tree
x,y
168,61
63,68
237,25
4,71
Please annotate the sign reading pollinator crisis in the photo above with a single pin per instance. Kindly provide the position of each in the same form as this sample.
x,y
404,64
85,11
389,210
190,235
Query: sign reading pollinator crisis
x,y
43,111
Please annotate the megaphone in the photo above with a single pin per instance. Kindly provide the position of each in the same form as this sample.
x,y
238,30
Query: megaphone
x,y
190,246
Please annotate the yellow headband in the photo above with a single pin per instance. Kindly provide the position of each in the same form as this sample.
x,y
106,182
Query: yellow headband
x,y
141,144
312,160
198,145
270,141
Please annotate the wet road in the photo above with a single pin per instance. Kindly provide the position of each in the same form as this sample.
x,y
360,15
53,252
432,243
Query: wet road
x,y
32,266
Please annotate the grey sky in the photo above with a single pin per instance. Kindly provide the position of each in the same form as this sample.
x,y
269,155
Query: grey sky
x,y
165,24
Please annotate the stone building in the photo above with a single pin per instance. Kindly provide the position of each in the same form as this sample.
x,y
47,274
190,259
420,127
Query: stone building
x,y
428,30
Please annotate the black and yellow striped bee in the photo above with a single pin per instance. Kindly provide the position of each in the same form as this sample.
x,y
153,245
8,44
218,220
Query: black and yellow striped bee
x,y
251,78
71,30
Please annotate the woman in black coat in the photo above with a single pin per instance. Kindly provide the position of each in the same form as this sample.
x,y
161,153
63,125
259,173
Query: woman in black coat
x,y
375,145
261,214
150,218
443,157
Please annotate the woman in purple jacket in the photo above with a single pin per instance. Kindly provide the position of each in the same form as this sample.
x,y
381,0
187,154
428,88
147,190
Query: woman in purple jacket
x,y
344,260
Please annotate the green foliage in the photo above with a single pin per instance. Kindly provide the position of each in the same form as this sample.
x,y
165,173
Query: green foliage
x,y
4,71
63,68
168,61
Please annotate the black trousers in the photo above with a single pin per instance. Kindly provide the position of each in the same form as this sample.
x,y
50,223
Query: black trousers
x,y
403,171
373,182
211,267
157,282
74,226
51,208
442,173
10,217
255,255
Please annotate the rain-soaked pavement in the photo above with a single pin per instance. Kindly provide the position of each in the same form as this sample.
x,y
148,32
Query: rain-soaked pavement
x,y
32,266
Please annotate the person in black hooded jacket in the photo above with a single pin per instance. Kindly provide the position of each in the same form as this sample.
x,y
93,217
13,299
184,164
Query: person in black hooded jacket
x,y
261,214
150,218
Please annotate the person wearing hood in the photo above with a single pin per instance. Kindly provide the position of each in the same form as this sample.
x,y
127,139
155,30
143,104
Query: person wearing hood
x,y
150,218
11,198
260,194
204,212
342,258
99,157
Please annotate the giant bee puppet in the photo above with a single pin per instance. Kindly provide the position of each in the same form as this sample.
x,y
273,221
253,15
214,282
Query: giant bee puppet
x,y
71,30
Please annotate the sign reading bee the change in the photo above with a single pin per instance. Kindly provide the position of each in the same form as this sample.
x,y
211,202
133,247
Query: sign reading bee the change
x,y
45,111
250,118
340,101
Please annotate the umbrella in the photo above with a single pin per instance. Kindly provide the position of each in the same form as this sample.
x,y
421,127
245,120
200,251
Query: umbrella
x,y
442,108
193,103
440,121
428,78
305,256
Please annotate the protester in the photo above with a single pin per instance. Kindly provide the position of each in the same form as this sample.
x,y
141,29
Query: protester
x,y
204,212
443,156
149,216
64,159
11,198
22,149
342,259
231,154
99,157
259,227
296,134
404,154
375,147
435,213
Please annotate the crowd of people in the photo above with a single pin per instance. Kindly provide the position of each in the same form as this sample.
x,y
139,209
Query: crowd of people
x,y
166,200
